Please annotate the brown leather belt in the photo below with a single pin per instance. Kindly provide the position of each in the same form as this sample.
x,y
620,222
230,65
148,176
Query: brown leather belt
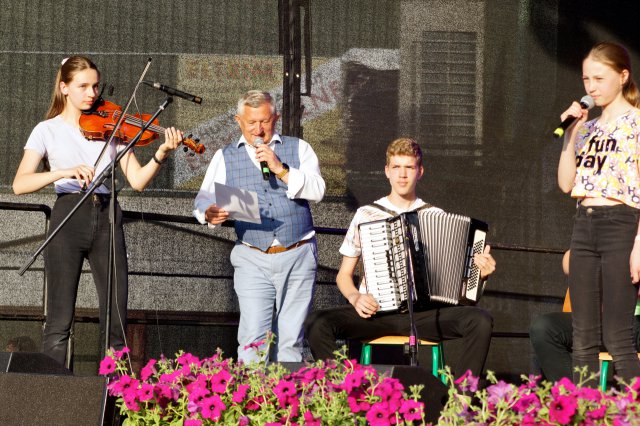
x,y
281,249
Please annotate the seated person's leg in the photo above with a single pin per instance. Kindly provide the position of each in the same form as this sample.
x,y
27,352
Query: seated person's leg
x,y
551,338
322,328
470,323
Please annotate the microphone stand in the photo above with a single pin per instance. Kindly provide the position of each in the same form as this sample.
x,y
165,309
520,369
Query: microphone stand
x,y
413,340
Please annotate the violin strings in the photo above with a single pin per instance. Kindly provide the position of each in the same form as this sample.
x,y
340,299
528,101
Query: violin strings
x,y
138,122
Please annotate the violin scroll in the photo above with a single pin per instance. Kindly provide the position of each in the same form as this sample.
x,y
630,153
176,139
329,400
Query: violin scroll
x,y
193,144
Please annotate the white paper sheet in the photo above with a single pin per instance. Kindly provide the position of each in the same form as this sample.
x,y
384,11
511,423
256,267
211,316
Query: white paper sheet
x,y
240,203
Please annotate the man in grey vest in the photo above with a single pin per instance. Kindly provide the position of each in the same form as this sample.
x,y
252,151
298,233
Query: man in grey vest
x,y
275,261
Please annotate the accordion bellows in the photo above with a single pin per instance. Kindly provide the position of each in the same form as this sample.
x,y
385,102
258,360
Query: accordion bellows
x,y
431,249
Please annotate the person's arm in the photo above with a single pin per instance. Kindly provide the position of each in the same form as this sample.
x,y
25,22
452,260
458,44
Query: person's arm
x,y
205,209
304,182
634,259
567,163
28,179
140,176
364,304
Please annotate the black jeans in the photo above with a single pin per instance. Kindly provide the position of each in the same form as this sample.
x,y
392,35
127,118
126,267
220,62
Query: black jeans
x,y
603,297
552,341
86,235
471,324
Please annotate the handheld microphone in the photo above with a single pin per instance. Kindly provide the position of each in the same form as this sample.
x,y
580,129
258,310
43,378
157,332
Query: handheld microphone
x,y
264,167
587,103
174,92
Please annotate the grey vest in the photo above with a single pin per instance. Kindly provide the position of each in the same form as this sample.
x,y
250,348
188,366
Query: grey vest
x,y
282,218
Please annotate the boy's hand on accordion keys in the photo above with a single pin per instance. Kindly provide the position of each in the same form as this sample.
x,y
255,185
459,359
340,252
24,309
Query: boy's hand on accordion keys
x,y
364,304
485,262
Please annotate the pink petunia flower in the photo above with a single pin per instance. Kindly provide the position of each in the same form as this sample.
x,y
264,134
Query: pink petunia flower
x,y
145,392
188,359
244,421
562,387
527,403
309,375
310,420
170,377
123,385
500,391
357,401
411,410
635,384
107,366
379,414
196,397
193,422
292,405
220,380
562,409
621,421
240,394
148,370
389,389
255,345
119,354
212,408
532,383
254,404
352,380
467,382
131,401
284,389
589,394
597,413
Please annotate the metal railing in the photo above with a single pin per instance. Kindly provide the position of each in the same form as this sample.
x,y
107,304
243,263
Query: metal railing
x,y
85,315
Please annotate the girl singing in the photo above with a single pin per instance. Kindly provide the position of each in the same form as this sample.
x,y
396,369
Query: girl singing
x,y
599,166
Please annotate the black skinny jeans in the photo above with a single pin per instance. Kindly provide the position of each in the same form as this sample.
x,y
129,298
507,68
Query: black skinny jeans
x,y
470,323
86,235
603,297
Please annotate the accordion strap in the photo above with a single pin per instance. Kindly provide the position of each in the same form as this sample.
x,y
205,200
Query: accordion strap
x,y
392,213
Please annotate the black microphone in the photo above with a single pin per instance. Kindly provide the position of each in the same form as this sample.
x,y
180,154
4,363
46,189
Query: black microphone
x,y
587,103
174,92
264,167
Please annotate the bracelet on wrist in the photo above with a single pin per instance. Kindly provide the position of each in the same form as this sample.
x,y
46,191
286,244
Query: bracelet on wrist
x,y
160,162
283,173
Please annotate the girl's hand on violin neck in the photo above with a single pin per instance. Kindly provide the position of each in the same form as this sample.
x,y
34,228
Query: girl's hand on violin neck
x,y
172,139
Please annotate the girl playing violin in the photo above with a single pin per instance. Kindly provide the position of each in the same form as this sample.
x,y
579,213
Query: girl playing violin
x,y
70,159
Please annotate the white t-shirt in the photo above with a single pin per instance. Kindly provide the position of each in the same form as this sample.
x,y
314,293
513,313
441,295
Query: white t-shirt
x,y
351,244
65,147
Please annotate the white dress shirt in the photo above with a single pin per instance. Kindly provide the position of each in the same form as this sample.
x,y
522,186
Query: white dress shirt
x,y
304,182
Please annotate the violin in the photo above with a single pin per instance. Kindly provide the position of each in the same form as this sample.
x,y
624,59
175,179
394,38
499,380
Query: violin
x,y
98,124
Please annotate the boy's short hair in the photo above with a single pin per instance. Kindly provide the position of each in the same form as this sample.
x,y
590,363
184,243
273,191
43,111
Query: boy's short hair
x,y
404,146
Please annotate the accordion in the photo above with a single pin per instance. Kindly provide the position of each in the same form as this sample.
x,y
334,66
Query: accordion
x,y
430,248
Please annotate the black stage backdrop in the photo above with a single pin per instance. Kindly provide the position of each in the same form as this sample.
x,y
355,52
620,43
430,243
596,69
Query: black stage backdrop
x,y
480,84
